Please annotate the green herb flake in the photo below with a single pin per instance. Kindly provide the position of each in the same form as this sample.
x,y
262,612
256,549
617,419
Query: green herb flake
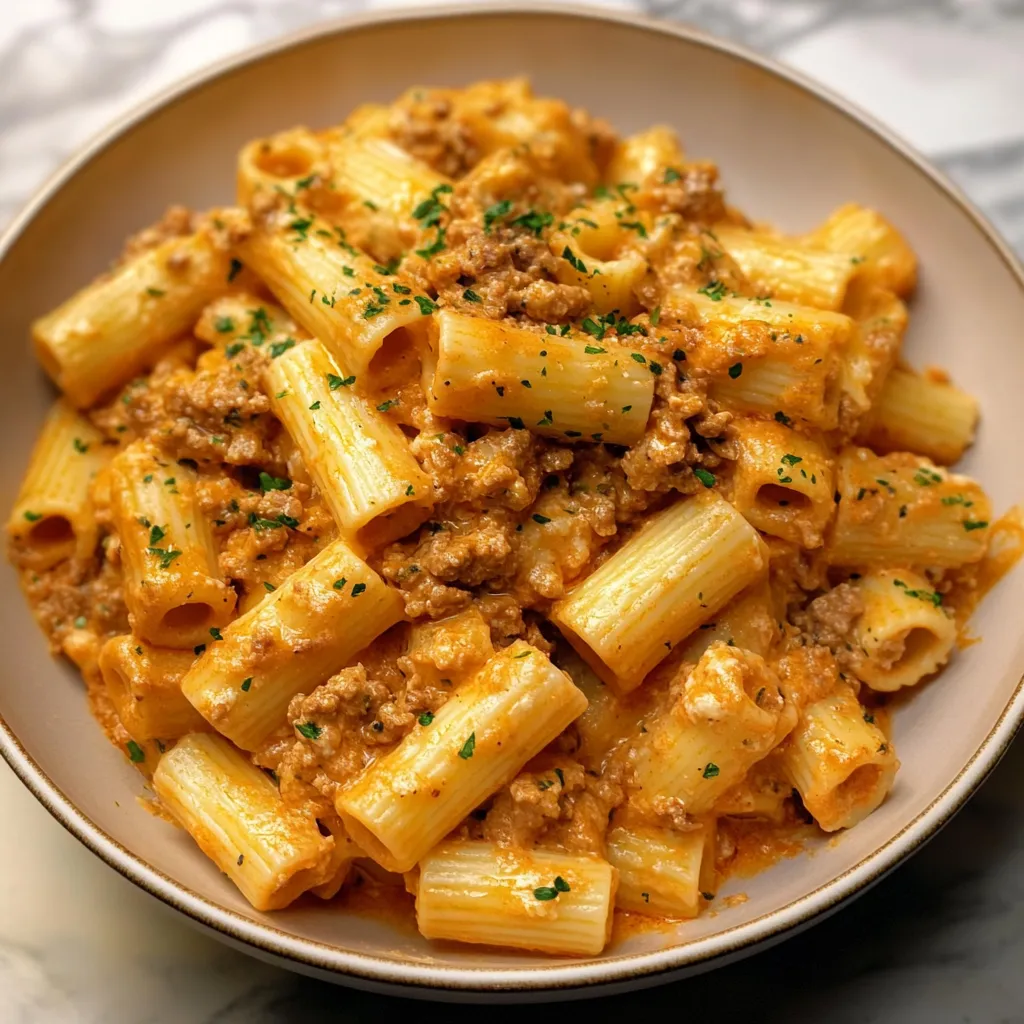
x,y
496,212
269,587
468,747
978,524
426,305
198,649
538,518
309,729
710,770
426,718
358,589
135,753
334,381
706,478
574,261
929,596
274,483
246,683
714,290
735,370
223,325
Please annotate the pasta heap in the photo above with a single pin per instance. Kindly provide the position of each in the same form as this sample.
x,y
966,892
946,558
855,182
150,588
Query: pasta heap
x,y
484,507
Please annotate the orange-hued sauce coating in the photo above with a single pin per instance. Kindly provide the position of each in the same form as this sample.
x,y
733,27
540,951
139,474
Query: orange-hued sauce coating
x,y
518,497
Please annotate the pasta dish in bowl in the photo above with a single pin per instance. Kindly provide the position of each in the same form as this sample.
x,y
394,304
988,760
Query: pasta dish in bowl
x,y
484,517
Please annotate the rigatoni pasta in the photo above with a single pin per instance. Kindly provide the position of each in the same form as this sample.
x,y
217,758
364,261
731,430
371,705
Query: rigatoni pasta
x,y
53,517
486,500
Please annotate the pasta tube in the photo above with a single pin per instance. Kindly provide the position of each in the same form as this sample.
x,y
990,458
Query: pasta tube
x,y
782,481
270,850
874,247
537,899
786,268
901,509
903,631
729,714
769,356
53,518
673,574
840,762
112,328
337,293
173,585
360,460
562,387
660,869
490,727
144,685
915,413
297,636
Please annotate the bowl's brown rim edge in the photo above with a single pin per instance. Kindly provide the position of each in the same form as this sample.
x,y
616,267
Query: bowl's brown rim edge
x,y
415,977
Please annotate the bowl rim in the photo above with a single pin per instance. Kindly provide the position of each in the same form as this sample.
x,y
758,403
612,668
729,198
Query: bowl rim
x,y
415,978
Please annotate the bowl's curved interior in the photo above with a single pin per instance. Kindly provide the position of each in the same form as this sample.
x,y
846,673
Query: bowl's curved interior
x,y
786,156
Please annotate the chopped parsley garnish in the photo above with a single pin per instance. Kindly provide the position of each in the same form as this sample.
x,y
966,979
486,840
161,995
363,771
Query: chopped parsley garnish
x,y
923,595
926,477
81,622
974,524
781,417
426,718
636,226
165,556
269,587
315,406
706,478
236,266
671,174
715,291
334,381
430,211
471,296
468,747
551,892
80,446
246,683
274,483
655,316
496,212
198,649
340,584
538,518
135,753
735,370
535,222
514,422
574,261
223,325
278,348
791,460
358,588
33,517
309,729
710,770
156,534
216,633
438,245
387,404
427,306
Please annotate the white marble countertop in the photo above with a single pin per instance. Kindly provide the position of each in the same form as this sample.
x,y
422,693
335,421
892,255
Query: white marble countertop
x,y
940,940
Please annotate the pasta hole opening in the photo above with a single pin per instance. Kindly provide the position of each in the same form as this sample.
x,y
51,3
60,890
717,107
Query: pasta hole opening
x,y
287,161
918,645
188,616
52,530
396,361
858,786
773,497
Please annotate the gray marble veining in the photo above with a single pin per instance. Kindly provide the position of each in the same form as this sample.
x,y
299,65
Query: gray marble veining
x,y
941,940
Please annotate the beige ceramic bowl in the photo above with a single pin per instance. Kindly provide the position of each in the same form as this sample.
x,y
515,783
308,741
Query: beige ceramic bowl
x,y
789,153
